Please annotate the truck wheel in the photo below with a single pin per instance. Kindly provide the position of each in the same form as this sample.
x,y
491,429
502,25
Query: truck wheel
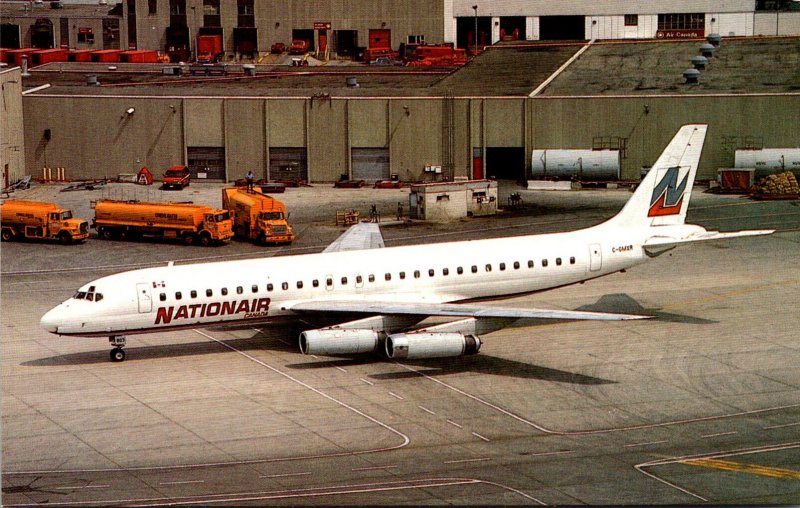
x,y
107,233
64,238
205,239
7,235
188,239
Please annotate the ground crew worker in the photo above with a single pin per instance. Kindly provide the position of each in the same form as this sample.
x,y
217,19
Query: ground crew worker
x,y
250,177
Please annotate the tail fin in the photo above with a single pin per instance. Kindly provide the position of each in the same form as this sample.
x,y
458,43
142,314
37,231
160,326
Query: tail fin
x,y
663,196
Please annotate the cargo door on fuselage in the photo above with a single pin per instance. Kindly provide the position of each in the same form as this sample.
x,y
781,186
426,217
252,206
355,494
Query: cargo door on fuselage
x,y
143,295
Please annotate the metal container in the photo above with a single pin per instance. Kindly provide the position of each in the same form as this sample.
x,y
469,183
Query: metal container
x,y
769,160
575,164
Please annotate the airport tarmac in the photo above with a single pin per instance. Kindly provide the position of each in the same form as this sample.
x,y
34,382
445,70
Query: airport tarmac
x,y
699,404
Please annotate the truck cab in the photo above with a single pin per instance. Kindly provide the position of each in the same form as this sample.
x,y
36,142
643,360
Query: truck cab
x,y
32,219
219,224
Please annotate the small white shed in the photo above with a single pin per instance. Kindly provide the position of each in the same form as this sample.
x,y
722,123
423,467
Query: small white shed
x,y
446,201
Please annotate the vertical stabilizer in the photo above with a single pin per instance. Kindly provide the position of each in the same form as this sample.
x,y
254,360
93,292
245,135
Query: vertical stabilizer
x,y
663,196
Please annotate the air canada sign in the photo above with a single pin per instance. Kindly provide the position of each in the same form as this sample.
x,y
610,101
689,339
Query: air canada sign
x,y
242,309
679,34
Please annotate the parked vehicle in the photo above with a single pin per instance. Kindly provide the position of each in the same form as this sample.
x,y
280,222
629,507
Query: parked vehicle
x,y
209,48
176,177
34,219
185,221
257,217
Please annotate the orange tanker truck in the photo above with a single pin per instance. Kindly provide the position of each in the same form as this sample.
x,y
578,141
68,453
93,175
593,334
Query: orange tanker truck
x,y
185,221
33,219
257,217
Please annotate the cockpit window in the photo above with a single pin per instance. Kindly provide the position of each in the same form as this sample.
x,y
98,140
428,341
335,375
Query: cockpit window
x,y
222,217
66,215
90,295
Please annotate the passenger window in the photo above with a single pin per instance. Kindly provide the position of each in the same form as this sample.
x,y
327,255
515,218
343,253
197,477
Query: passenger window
x,y
388,276
315,283
402,275
431,272
544,263
502,266
224,291
416,274
558,261
530,263
488,268
299,284
445,271
162,297
209,292
193,294
239,290
474,268
516,265
329,282
572,260
460,270
254,288
270,287
344,281
371,278
285,286
359,279
178,295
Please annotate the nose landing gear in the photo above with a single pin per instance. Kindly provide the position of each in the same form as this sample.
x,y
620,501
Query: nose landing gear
x,y
117,353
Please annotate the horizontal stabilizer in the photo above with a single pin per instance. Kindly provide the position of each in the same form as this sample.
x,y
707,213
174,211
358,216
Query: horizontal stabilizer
x,y
662,241
444,309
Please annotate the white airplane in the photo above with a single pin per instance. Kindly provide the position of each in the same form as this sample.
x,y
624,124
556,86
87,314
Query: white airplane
x,y
377,297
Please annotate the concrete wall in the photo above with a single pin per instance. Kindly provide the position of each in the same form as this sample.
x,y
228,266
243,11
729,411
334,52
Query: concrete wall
x,y
597,8
93,136
777,23
12,139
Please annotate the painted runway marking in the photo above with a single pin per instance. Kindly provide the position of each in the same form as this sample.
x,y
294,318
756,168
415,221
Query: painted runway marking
x,y
367,381
372,468
283,475
645,444
705,436
396,396
545,454
739,467
454,424
782,426
462,461
341,369
426,410
183,482
74,487
480,437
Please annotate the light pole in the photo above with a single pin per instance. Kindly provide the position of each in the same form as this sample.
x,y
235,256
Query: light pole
x,y
475,8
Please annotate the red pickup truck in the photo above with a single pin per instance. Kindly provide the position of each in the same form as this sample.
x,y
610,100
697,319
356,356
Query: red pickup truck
x,y
176,177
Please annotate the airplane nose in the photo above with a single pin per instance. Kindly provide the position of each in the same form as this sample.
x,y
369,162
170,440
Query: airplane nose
x,y
50,321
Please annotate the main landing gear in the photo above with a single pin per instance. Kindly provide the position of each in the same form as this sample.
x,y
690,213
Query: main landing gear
x,y
117,353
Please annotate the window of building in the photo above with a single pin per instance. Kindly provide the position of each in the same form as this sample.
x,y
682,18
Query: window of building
x,y
631,20
152,7
211,15
678,21
246,13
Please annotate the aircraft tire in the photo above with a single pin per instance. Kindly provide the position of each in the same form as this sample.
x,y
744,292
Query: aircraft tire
x,y
117,354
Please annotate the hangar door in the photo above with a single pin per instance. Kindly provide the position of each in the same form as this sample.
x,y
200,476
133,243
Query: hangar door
x,y
206,162
505,163
562,28
288,165
370,164
9,36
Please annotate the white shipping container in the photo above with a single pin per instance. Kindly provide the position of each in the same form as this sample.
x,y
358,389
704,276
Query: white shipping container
x,y
580,164
769,159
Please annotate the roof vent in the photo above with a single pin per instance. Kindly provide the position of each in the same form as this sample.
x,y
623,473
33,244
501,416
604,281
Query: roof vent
x,y
91,80
707,50
691,75
714,39
352,82
699,62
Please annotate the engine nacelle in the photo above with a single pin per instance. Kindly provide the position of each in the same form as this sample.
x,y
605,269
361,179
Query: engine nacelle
x,y
410,346
336,341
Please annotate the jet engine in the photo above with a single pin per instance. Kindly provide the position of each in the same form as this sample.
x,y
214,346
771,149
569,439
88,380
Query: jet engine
x,y
410,346
337,341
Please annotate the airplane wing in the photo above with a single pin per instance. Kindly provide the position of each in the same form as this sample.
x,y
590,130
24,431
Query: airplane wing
x,y
361,236
455,310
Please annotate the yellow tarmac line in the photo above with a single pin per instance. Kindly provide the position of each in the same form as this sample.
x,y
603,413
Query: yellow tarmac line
x,y
738,467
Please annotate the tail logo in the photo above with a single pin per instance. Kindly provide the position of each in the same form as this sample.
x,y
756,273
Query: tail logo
x,y
668,195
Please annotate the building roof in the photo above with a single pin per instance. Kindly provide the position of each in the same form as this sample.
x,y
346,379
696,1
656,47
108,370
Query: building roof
x,y
747,65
